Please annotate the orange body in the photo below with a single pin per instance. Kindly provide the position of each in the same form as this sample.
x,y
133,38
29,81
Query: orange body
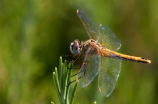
x,y
96,47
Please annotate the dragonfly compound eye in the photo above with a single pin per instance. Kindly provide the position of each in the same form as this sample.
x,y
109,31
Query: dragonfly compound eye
x,y
74,47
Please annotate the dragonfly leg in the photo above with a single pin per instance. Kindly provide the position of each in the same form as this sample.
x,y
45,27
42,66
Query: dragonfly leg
x,y
78,68
82,75
67,56
84,70
80,65
79,57
77,78
68,61
77,73
70,83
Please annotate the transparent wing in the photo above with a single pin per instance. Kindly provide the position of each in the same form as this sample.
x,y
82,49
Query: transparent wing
x,y
103,34
91,65
109,72
108,38
91,27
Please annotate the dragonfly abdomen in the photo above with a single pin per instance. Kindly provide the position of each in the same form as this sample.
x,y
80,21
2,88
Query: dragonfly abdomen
x,y
113,54
132,58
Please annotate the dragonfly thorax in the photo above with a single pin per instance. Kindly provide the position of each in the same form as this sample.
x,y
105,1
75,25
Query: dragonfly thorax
x,y
75,47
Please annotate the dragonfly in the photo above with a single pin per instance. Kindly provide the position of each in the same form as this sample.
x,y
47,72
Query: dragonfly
x,y
99,55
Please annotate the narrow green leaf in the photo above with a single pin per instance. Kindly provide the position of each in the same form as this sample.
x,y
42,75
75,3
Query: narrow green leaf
x,y
73,93
68,81
69,71
61,73
57,80
67,95
61,87
64,79
56,87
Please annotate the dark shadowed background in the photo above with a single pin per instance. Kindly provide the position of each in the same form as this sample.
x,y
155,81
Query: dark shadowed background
x,y
34,33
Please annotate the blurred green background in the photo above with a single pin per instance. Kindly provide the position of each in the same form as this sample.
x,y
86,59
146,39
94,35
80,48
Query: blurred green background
x,y
34,33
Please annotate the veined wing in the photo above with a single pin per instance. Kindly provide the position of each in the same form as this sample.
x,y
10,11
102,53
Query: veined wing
x,y
109,72
90,66
90,26
103,34
108,38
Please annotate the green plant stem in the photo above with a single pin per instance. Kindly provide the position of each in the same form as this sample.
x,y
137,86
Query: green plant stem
x,y
61,81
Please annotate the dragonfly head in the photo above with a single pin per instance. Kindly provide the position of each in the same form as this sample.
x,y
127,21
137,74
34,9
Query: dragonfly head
x,y
75,47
